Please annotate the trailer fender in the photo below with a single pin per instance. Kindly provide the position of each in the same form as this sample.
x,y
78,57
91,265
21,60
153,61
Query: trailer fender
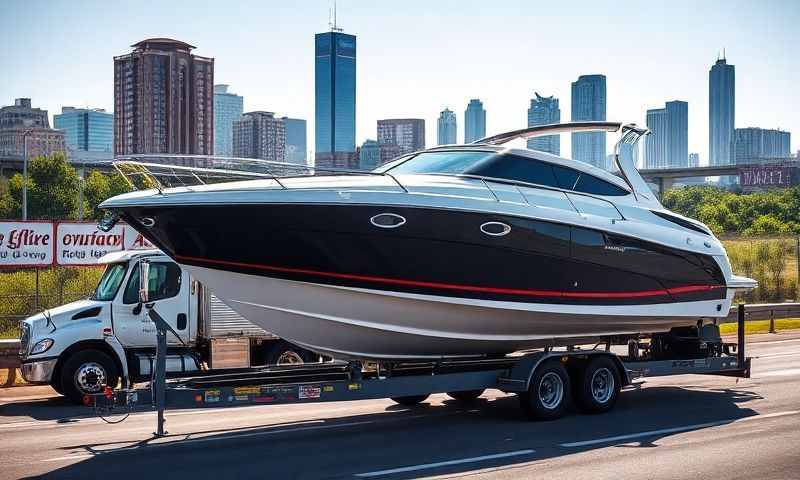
x,y
519,377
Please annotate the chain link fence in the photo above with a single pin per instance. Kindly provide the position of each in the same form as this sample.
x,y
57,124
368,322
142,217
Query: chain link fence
x,y
25,292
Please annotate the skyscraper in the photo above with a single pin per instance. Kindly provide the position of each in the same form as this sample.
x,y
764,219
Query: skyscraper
x,y
474,121
335,100
295,140
721,112
228,108
756,145
543,111
668,144
447,129
85,129
259,135
163,99
589,103
406,133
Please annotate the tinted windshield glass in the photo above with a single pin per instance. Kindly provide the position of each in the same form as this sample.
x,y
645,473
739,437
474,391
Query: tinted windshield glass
x,y
522,169
589,184
440,162
110,282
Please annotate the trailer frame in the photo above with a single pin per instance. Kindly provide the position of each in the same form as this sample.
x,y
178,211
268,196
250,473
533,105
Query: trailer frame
x,y
340,381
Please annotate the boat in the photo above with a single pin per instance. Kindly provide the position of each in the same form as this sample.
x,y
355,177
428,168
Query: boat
x,y
453,251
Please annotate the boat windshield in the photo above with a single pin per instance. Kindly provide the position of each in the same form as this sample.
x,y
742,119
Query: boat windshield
x,y
454,162
503,166
110,282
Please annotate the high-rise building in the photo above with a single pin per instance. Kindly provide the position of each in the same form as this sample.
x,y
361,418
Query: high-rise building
x,y
295,140
694,160
757,145
259,135
721,112
27,129
85,129
589,103
668,144
544,111
389,151
163,99
474,121
447,129
369,155
228,107
22,114
335,100
406,133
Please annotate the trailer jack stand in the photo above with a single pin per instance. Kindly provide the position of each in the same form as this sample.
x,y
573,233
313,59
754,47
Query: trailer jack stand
x,y
158,381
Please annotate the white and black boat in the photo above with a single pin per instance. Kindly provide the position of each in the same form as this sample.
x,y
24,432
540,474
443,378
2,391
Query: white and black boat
x,y
452,251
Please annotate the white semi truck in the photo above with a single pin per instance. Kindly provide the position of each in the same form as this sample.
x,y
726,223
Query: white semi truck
x,y
79,347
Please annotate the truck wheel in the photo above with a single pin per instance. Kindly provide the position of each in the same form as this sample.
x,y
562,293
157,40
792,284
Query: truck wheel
x,y
466,396
597,386
547,395
284,353
85,372
409,400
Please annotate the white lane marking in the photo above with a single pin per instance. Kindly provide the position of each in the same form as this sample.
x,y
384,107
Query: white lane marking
x,y
778,373
71,457
683,428
777,355
425,466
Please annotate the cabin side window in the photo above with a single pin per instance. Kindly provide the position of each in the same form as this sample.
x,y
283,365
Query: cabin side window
x,y
511,167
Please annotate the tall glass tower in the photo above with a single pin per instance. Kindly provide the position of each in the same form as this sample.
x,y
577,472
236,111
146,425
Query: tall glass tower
x,y
589,103
86,129
544,111
335,100
474,121
228,108
447,130
668,144
721,112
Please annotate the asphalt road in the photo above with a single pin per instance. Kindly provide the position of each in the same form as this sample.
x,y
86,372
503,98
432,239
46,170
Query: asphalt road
x,y
679,427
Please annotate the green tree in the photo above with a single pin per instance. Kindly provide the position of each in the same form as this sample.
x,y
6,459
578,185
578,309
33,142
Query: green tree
x,y
99,187
52,188
9,207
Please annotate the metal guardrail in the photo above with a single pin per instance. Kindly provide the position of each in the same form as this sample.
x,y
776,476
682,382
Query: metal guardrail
x,y
765,311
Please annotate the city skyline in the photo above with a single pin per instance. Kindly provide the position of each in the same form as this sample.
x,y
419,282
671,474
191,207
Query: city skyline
x,y
388,90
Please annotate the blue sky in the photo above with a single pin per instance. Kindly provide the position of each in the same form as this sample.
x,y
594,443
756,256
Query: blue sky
x,y
417,57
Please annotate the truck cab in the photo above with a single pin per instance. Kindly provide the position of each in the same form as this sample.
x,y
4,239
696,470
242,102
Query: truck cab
x,y
79,347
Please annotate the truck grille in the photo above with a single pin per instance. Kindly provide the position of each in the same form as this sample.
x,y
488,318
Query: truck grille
x,y
24,338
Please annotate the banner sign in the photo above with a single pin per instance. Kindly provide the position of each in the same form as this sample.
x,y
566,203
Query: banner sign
x,y
763,177
134,240
41,244
26,244
84,243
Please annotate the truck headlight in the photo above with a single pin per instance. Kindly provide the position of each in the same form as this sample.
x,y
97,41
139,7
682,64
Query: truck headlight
x,y
42,346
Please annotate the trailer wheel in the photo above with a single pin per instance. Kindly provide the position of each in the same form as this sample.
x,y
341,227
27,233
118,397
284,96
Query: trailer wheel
x,y
284,353
85,372
547,395
409,400
598,385
466,396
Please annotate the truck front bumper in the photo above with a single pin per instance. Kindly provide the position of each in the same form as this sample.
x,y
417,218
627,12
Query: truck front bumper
x,y
40,371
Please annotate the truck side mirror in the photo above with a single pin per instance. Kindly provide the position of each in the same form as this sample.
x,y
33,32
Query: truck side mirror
x,y
144,277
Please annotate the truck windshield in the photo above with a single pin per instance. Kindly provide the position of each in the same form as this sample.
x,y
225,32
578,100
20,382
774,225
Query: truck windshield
x,y
110,282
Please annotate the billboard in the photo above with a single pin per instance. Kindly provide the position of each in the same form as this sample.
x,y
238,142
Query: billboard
x,y
42,244
26,244
763,177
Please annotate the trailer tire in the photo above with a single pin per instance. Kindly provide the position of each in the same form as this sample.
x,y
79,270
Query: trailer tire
x,y
86,372
466,396
548,392
597,386
284,353
410,400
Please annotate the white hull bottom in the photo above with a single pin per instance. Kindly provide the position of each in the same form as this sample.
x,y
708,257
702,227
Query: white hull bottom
x,y
348,322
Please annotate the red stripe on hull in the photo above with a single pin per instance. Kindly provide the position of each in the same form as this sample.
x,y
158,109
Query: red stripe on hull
x,y
466,288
